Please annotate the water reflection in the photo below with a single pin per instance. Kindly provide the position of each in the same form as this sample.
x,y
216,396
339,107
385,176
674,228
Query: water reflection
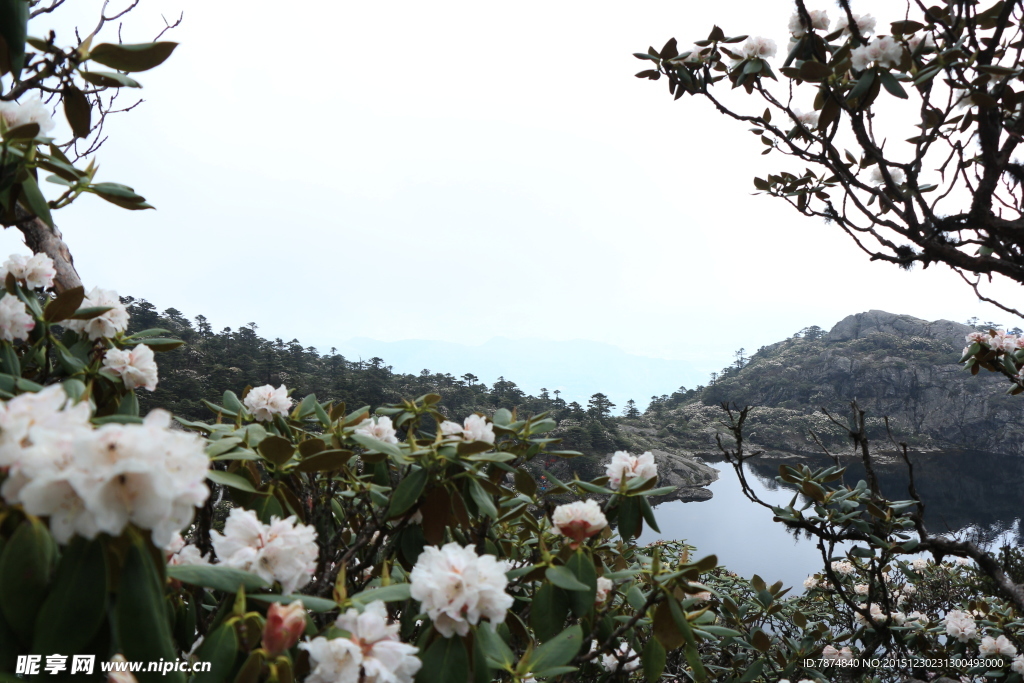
x,y
978,495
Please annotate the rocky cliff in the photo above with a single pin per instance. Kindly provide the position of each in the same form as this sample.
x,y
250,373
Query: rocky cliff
x,y
895,366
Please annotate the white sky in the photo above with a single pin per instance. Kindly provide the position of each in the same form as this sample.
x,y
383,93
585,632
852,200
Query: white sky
x,y
465,170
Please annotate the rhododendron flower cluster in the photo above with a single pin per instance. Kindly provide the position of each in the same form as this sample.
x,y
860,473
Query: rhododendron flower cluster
x,y
475,428
265,402
875,176
623,658
624,467
579,520
883,52
372,653
997,646
380,428
456,588
843,567
960,625
283,551
819,21
181,553
761,48
135,367
15,321
32,110
604,586
105,325
1000,342
865,24
37,271
89,480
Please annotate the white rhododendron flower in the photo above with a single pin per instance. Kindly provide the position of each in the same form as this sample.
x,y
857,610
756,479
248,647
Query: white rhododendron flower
x,y
604,586
283,551
475,428
919,563
181,553
457,588
579,520
875,176
811,583
756,46
843,567
829,652
963,561
695,56
819,21
808,119
37,272
265,402
624,467
1018,664
960,625
865,24
919,619
884,52
997,646
373,652
136,368
861,589
31,110
379,428
914,41
105,325
90,481
614,660
15,321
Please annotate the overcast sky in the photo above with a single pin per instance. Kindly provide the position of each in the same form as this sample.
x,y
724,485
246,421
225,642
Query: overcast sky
x,y
460,171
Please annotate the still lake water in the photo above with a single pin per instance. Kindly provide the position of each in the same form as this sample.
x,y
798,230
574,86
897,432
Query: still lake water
x,y
979,495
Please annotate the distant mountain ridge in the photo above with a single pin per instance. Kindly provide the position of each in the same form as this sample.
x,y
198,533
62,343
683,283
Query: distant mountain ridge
x,y
893,365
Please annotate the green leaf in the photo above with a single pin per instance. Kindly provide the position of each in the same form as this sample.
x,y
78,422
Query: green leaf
x,y
9,359
548,611
77,111
394,593
110,79
235,481
90,312
119,195
25,569
557,651
76,606
218,577
563,578
408,492
140,619
582,568
377,446
630,518
132,58
65,305
653,658
14,31
502,417
495,646
482,499
276,449
220,649
892,85
34,201
445,661
324,461
648,513
310,602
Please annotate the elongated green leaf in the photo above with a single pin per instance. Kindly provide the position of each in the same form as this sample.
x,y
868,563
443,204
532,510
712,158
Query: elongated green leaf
x,y
557,651
582,567
65,305
445,661
33,200
110,79
14,31
218,577
482,499
137,57
563,578
26,566
310,602
324,461
653,658
408,492
76,605
548,611
235,481
494,645
220,649
393,593
140,618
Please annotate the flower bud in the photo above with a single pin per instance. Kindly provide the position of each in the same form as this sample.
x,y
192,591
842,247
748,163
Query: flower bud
x,y
285,625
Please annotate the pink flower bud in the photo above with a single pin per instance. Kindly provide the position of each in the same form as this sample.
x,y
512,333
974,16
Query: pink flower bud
x,y
285,625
